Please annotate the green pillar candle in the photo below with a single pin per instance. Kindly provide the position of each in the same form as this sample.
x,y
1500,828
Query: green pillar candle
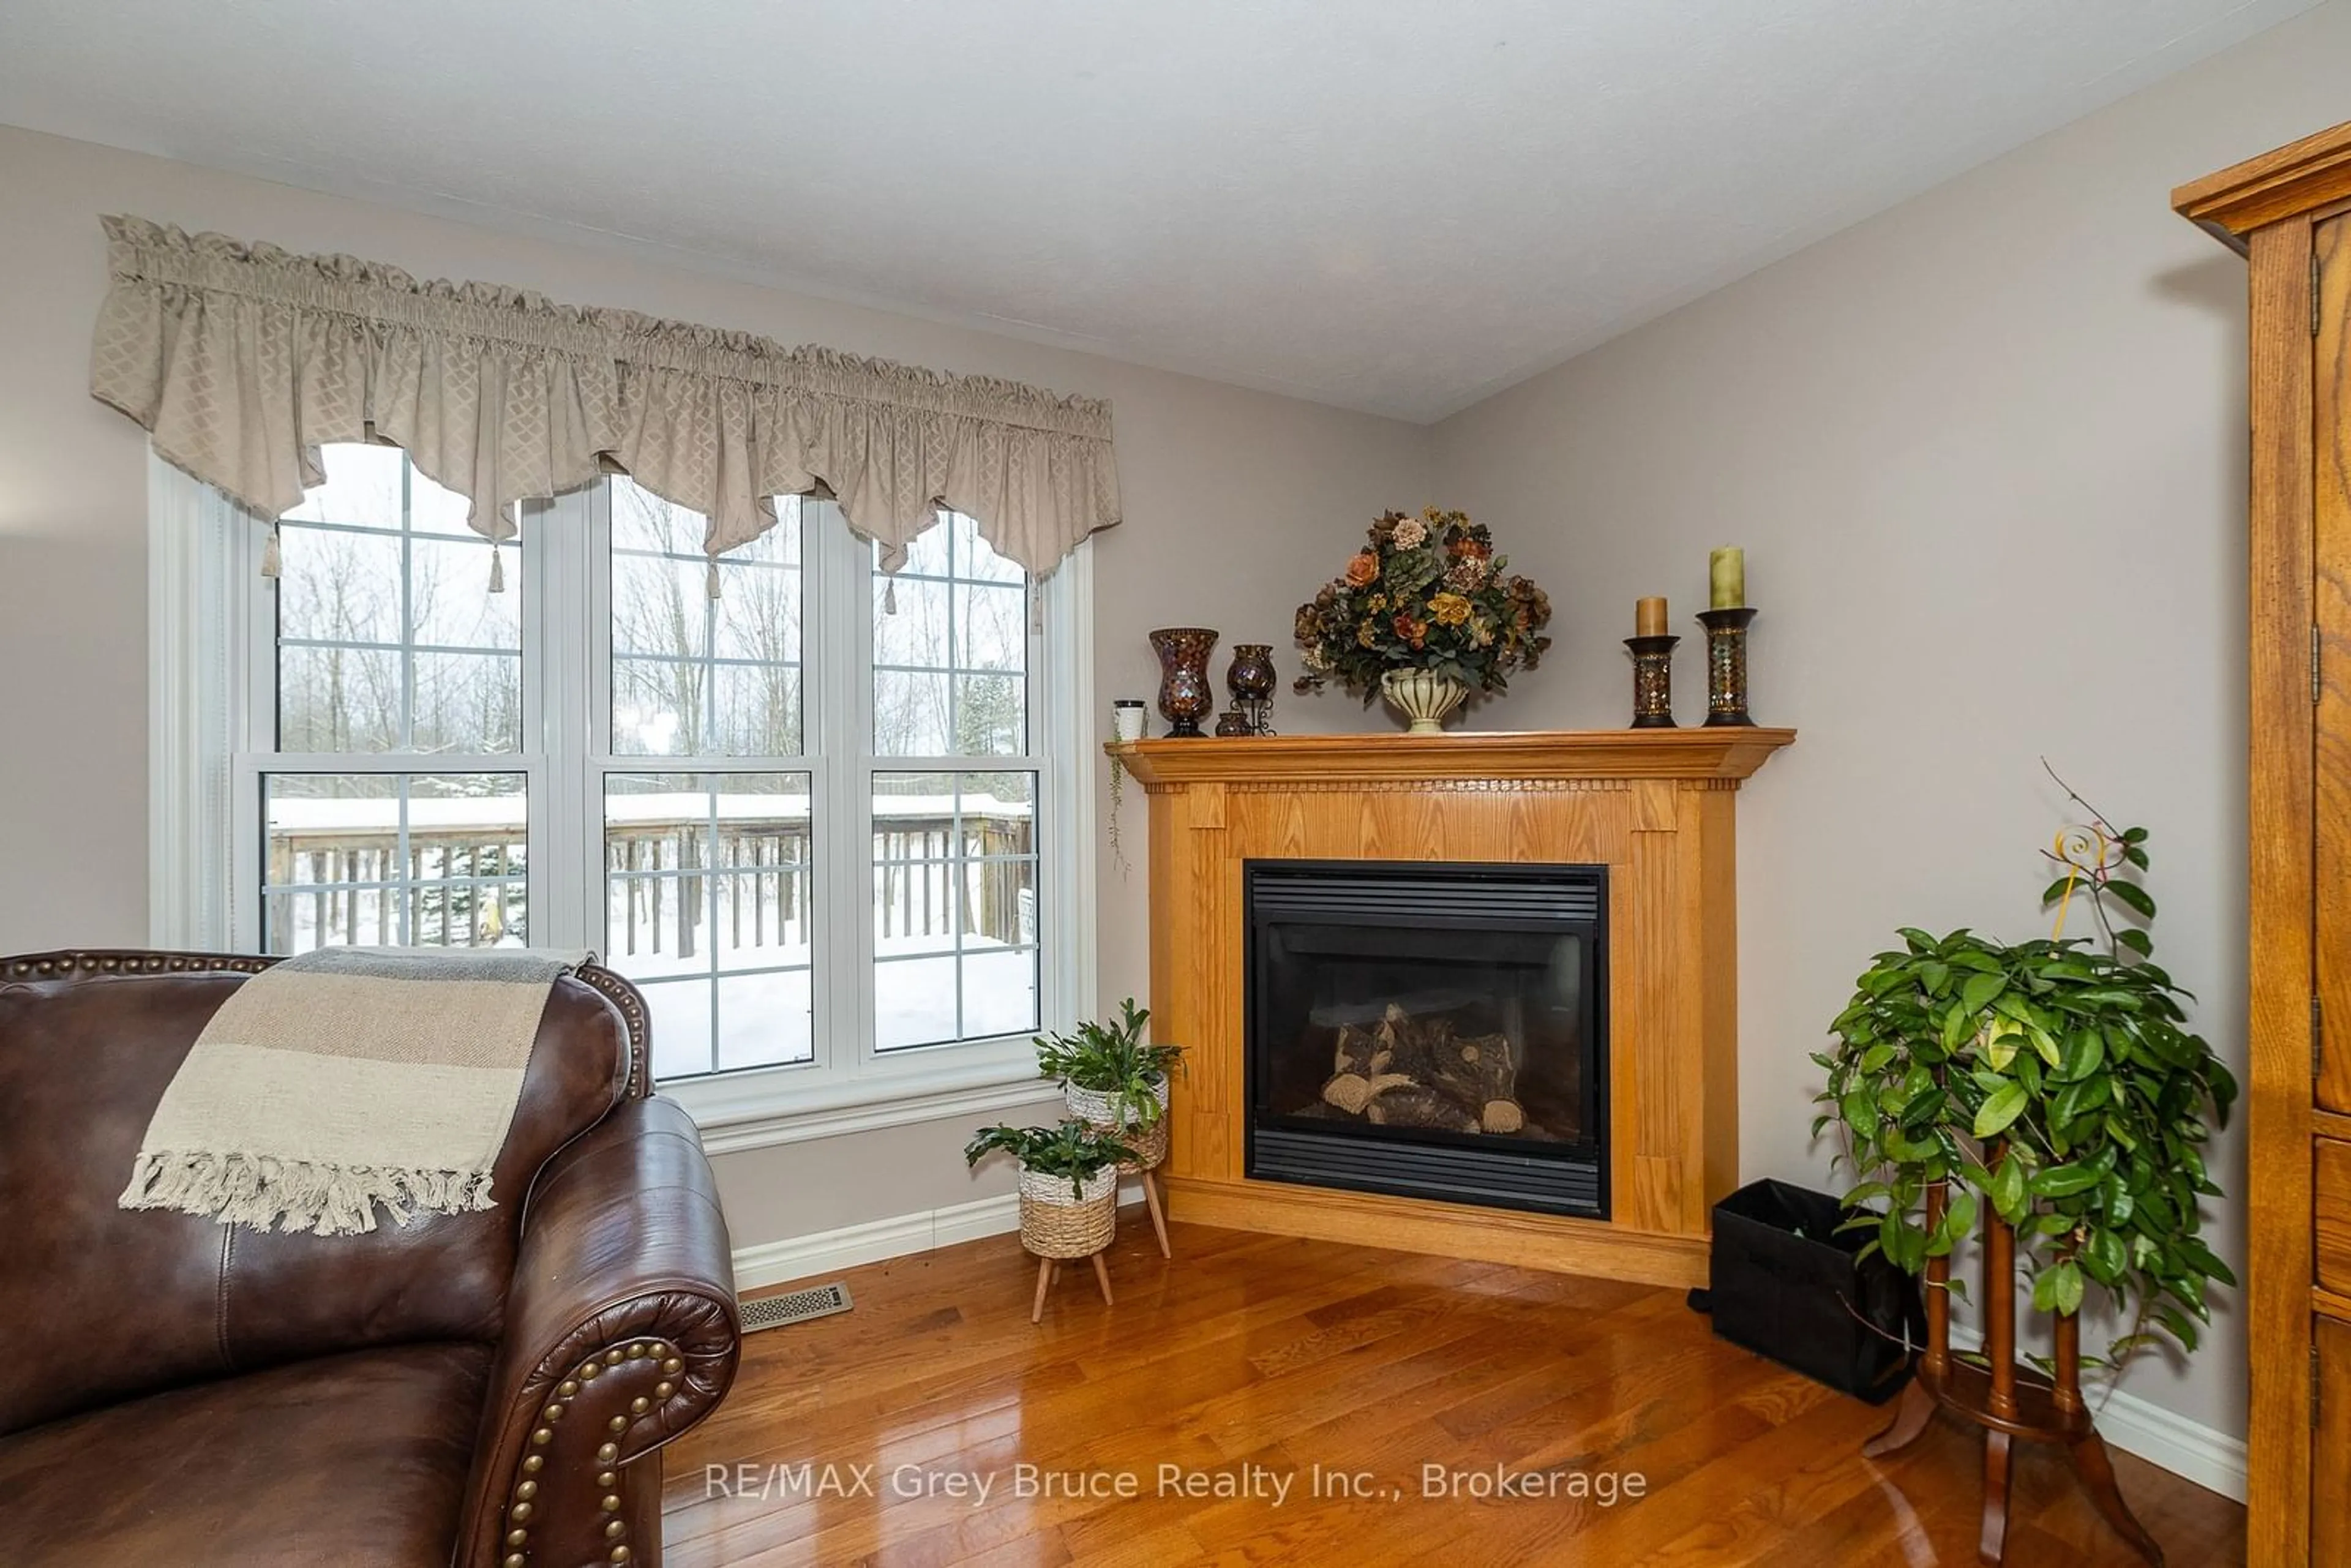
x,y
1726,570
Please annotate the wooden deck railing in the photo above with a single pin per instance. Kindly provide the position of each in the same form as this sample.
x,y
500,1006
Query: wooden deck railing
x,y
342,882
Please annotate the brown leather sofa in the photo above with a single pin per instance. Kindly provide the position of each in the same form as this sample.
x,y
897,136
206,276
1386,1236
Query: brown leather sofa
x,y
477,1389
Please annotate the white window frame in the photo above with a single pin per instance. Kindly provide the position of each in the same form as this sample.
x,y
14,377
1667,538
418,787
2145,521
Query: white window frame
x,y
213,658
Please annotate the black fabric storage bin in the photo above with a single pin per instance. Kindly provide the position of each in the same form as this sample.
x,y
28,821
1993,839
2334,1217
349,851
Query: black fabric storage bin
x,y
1786,1285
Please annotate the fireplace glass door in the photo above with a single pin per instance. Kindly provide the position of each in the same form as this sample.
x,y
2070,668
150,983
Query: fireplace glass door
x,y
1430,1031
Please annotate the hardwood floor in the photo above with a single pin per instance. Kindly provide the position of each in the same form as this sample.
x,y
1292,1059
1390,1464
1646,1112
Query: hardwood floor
x,y
1254,1362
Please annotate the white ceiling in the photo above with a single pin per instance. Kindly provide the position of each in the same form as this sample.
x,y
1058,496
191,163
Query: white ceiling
x,y
1397,206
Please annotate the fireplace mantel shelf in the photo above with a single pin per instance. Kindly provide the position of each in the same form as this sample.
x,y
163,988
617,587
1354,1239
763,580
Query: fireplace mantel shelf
x,y
1726,752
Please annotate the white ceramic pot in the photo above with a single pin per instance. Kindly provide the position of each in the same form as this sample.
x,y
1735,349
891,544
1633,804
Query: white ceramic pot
x,y
1424,698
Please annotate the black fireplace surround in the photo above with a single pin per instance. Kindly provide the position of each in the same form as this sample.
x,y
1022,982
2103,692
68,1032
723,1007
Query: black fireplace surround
x,y
1433,1030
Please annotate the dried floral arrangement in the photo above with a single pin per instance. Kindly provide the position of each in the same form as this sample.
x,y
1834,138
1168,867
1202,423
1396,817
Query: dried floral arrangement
x,y
1425,593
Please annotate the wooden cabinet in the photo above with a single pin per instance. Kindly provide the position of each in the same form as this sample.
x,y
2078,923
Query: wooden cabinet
x,y
2330,1474
2289,213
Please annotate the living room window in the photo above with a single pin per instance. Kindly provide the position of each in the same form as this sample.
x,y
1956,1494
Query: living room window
x,y
827,818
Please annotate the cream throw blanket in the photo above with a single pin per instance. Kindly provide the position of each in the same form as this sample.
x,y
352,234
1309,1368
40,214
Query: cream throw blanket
x,y
347,1078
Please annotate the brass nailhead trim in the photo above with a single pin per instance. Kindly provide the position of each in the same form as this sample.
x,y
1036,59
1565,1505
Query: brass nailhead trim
x,y
639,1404
566,1388
636,1353
620,1554
517,1537
519,1513
590,1371
612,1531
612,1357
527,1490
618,1424
607,1480
530,1466
663,1390
672,1366
552,1412
612,1502
607,1453
542,1437
513,1560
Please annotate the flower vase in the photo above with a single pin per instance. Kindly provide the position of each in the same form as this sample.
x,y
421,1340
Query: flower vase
x,y
1186,694
1423,697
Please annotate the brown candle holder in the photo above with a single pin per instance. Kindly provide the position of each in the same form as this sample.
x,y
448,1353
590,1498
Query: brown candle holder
x,y
1653,682
1252,681
1726,664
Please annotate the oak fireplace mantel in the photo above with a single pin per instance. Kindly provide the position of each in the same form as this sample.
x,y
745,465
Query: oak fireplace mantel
x,y
1654,807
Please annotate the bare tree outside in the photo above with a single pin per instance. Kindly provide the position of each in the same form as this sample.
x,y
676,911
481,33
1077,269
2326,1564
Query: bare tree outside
x,y
695,676
389,638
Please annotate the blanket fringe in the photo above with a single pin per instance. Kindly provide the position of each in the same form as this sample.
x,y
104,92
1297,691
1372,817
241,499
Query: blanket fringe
x,y
298,1195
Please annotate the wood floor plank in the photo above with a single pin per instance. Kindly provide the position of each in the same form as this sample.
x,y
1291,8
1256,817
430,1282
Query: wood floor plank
x,y
1248,1361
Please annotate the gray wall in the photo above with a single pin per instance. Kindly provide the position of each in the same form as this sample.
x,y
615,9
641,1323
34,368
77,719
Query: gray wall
x,y
1231,498
1986,454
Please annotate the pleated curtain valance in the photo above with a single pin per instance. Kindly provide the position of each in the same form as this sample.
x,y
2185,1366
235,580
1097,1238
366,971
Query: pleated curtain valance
x,y
242,360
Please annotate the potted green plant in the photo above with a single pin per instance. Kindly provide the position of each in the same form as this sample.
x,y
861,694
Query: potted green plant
x,y
1066,1167
1110,1076
1422,615
1069,1193
2053,1082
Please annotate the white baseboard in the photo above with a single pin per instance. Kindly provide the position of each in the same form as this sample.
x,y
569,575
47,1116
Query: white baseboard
x,y
2189,1449
876,1240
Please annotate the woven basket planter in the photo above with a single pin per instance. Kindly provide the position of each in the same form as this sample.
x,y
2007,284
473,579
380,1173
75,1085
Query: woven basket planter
x,y
1057,1223
1097,1110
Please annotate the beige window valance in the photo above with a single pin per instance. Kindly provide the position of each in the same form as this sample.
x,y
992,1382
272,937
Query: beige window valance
x,y
243,359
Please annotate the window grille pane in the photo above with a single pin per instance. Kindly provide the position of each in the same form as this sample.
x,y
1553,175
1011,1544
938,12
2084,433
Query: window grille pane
x,y
951,649
389,638
707,883
680,1012
364,487
335,586
991,715
450,604
339,698
955,906
656,707
693,676
465,702
395,860
912,713
755,710
991,628
915,636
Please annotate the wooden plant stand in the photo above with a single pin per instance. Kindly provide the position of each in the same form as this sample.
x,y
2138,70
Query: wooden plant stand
x,y
2007,1403
1049,1270
1058,1233
1155,1155
1151,1153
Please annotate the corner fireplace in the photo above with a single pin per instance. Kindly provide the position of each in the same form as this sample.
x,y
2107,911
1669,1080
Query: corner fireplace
x,y
1430,1031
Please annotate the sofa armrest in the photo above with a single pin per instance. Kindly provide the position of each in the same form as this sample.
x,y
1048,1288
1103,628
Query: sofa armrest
x,y
622,1331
